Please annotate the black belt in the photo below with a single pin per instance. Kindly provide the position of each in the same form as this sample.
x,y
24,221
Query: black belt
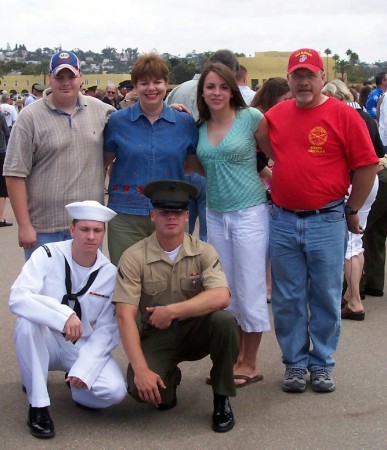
x,y
311,212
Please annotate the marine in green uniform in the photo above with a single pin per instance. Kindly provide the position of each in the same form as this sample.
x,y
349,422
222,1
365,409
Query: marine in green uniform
x,y
177,284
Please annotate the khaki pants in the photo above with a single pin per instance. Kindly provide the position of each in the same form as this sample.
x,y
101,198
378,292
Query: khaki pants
x,y
126,230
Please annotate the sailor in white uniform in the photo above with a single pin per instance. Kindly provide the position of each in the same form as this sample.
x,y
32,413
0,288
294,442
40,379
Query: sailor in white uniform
x,y
66,320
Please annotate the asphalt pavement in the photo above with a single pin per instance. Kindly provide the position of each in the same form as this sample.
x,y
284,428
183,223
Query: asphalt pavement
x,y
352,417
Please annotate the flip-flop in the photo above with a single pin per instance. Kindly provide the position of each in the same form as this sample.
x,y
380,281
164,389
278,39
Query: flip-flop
x,y
248,380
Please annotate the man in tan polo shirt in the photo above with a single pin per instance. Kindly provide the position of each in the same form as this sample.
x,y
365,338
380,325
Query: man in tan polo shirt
x,y
54,155
176,283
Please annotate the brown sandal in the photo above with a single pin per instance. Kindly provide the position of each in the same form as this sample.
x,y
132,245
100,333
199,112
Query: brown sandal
x,y
347,313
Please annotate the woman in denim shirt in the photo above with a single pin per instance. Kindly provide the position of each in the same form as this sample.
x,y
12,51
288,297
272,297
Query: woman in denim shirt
x,y
147,141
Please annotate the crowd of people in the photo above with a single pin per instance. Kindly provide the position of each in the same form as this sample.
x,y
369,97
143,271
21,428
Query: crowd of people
x,y
294,172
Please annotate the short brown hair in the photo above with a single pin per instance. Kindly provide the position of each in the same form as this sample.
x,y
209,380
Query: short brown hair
x,y
149,65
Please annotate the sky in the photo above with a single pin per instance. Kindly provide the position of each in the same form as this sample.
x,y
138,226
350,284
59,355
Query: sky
x,y
178,27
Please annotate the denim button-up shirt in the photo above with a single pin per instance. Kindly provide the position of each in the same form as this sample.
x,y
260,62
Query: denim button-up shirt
x,y
146,152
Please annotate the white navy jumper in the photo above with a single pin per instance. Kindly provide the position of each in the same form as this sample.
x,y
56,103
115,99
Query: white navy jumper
x,y
36,298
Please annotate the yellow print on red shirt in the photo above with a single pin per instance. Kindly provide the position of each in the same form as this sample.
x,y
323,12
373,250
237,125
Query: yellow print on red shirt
x,y
317,137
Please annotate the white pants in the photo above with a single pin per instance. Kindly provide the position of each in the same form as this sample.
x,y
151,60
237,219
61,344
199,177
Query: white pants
x,y
40,350
241,239
355,241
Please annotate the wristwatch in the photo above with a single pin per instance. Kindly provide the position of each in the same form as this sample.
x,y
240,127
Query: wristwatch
x,y
349,211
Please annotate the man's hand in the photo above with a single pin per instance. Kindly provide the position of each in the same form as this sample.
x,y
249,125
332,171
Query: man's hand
x,y
148,384
76,382
27,236
180,107
159,317
353,224
73,328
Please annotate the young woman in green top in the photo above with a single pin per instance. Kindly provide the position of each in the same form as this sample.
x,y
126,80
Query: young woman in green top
x,y
237,210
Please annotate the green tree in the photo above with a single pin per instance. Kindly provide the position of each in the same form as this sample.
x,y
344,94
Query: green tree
x,y
109,52
341,67
183,71
357,73
354,70
328,52
353,58
40,69
335,58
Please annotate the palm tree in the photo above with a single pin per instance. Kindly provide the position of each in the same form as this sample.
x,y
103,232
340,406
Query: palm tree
x,y
335,58
353,61
342,65
42,69
353,58
328,52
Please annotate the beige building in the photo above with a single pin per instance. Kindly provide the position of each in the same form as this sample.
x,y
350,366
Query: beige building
x,y
22,83
260,67
264,65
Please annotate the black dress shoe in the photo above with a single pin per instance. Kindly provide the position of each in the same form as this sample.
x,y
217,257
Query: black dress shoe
x,y
4,223
40,423
223,418
165,406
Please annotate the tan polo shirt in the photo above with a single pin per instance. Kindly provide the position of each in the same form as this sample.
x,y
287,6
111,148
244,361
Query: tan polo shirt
x,y
60,156
146,275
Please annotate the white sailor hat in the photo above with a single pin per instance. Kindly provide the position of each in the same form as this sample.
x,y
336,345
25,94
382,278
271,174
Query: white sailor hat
x,y
90,210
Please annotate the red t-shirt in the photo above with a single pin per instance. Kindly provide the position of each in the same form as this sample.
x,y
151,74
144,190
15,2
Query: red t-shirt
x,y
314,150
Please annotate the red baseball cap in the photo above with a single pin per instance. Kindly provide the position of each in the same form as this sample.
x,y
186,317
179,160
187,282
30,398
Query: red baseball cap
x,y
305,58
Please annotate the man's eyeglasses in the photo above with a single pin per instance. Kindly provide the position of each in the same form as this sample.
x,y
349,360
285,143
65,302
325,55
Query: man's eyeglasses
x,y
308,76
111,92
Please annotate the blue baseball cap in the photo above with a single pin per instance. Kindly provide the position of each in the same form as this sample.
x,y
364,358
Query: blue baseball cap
x,y
64,60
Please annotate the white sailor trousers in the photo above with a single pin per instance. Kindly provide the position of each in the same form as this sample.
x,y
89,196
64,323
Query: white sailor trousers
x,y
40,350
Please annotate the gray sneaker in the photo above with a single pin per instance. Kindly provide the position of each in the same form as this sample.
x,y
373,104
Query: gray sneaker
x,y
294,380
322,380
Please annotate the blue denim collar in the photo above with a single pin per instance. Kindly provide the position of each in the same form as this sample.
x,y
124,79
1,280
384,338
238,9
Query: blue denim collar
x,y
167,113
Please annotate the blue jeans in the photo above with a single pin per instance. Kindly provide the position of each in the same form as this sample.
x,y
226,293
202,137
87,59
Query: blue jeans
x,y
307,259
46,238
197,207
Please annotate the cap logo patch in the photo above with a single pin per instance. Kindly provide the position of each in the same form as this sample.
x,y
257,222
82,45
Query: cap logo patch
x,y
64,55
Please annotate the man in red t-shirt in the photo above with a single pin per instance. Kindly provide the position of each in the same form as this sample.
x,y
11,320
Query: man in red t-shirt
x,y
315,142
